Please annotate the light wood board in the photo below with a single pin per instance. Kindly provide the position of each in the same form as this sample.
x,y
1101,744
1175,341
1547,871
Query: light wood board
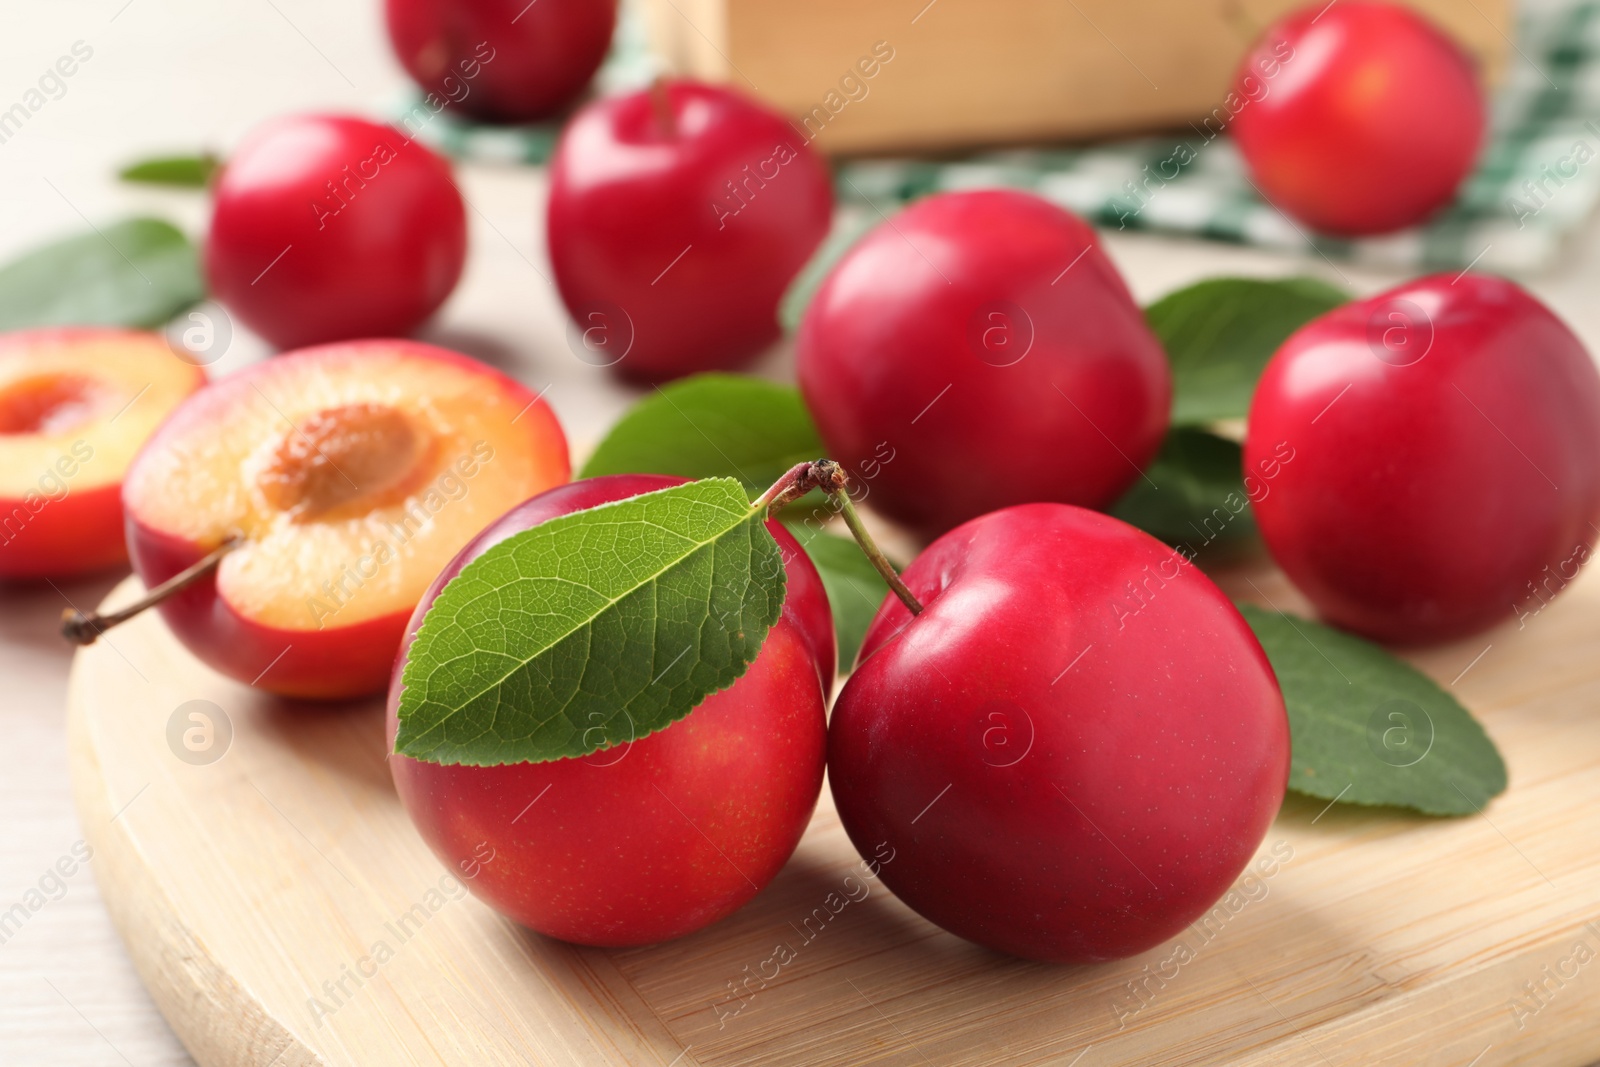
x,y
242,886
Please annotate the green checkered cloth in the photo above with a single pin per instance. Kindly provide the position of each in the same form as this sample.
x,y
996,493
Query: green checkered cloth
x,y
1537,181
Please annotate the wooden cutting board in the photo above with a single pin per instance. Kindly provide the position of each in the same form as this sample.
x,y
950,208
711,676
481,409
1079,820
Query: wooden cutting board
x,y
252,887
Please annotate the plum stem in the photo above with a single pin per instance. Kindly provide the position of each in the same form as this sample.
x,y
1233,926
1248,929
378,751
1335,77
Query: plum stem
x,y
82,629
795,483
661,105
830,477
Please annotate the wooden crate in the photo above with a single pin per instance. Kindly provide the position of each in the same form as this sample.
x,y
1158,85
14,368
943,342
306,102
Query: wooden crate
x,y
955,73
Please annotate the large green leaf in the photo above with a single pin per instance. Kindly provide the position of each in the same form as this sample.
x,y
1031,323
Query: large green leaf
x,y
1371,729
1220,333
592,629
712,426
138,273
1193,494
855,588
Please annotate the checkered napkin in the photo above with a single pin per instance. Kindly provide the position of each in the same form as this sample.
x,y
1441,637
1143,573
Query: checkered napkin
x,y
1537,180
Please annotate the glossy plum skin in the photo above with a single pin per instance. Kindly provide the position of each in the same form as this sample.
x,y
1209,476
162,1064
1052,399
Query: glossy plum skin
x,y
1444,438
327,227
501,60
1096,757
649,840
1360,117
677,218
984,333
67,541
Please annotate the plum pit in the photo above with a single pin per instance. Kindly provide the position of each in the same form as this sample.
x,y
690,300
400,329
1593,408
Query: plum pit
x,y
342,460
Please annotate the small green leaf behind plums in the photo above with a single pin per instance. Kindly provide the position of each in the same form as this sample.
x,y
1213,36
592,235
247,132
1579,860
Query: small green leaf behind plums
x,y
1219,334
1368,728
137,273
1193,494
182,172
711,426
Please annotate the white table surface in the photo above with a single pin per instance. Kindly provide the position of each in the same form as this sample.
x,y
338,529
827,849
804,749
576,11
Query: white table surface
x,y
183,74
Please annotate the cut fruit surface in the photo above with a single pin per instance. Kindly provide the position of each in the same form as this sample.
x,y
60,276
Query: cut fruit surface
x,y
75,405
348,475
51,403
353,473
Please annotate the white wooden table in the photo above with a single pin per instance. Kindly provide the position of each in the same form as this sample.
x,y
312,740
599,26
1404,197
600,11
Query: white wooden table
x,y
183,74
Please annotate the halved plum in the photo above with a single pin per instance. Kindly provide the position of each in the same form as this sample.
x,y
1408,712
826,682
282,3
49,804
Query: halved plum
x,y
346,476
75,405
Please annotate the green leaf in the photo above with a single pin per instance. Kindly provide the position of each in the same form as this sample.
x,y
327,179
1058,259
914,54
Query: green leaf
x,y
139,272
1193,494
1371,729
730,426
189,172
712,426
593,629
792,308
855,588
1220,333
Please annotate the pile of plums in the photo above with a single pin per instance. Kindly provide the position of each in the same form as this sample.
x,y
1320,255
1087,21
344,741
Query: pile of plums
x,y
1033,759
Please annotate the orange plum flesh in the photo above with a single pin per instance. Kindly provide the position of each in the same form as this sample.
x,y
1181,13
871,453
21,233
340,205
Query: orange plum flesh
x,y
348,475
75,405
